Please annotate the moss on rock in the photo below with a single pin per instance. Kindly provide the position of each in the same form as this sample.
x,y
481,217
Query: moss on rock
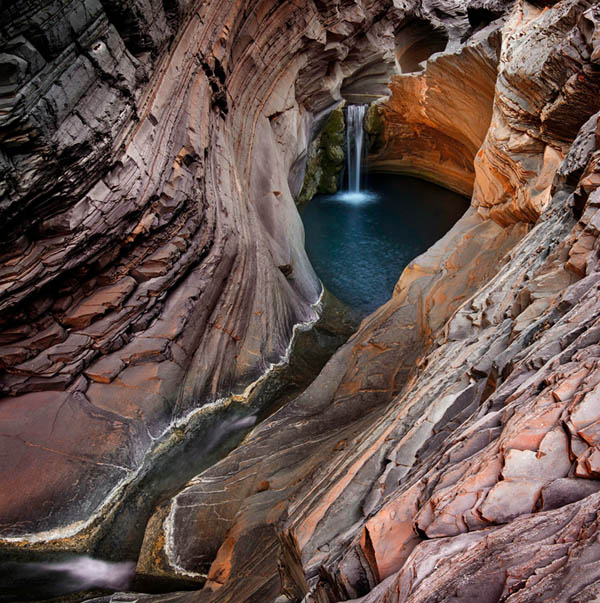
x,y
312,175
373,125
325,159
332,151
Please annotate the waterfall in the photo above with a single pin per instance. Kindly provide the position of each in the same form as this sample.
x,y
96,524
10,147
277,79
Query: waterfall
x,y
355,134
354,144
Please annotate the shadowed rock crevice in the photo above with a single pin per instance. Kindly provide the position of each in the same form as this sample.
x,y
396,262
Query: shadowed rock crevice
x,y
416,42
480,17
141,24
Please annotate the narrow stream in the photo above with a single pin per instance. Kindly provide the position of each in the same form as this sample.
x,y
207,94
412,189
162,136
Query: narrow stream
x,y
207,438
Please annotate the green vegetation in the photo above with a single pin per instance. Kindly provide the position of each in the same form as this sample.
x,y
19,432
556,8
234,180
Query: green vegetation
x,y
374,127
325,159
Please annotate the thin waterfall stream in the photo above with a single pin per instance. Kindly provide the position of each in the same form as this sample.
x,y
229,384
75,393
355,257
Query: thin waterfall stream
x,y
355,135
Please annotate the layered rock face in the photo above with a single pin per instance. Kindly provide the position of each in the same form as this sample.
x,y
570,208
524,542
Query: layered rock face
x,y
539,107
440,107
152,257
448,451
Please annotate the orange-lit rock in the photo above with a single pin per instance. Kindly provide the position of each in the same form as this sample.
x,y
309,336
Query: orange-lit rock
x,y
465,404
540,106
435,121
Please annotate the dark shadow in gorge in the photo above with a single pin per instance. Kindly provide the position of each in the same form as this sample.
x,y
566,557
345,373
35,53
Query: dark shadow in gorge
x,y
416,42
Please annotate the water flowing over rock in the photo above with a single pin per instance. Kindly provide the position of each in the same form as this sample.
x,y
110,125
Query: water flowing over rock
x,y
355,135
152,263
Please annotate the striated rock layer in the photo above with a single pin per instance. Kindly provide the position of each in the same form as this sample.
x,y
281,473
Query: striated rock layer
x,y
540,105
449,451
438,113
153,263
152,257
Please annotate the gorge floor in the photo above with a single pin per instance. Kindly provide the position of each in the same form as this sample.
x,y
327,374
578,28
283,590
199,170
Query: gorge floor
x,y
198,444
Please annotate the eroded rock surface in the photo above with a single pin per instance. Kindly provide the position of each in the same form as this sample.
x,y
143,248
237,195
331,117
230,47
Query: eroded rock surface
x,y
540,105
439,112
153,263
152,256
455,433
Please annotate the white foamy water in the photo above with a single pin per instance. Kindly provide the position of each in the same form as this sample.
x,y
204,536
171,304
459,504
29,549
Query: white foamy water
x,y
356,198
87,572
226,428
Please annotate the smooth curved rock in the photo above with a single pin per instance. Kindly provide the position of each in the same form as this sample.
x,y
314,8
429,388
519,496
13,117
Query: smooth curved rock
x,y
146,215
151,265
464,404
436,119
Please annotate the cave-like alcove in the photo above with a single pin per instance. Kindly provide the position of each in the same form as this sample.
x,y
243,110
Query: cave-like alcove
x,y
480,17
416,42
360,237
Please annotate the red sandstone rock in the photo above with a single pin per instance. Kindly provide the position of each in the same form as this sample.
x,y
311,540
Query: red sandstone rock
x,y
479,435
435,121
450,448
145,206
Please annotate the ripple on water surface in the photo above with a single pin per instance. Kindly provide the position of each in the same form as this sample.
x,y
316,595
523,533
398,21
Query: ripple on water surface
x,y
359,243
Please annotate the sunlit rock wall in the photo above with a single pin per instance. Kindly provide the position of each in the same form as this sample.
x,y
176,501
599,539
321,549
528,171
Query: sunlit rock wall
x,y
541,102
440,106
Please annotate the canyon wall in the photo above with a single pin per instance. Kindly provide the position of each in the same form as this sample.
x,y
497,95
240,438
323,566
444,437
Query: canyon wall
x,y
153,264
438,113
152,258
448,451
540,106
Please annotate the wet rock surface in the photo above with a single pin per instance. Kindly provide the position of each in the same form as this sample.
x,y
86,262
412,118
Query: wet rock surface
x,y
325,158
450,450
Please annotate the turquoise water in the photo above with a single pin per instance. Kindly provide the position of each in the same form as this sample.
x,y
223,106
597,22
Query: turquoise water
x,y
359,243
